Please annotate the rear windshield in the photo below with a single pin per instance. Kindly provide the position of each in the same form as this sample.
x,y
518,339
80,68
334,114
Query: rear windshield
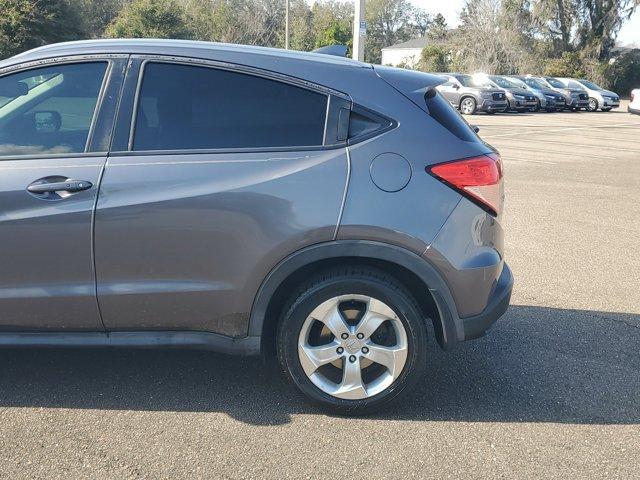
x,y
442,112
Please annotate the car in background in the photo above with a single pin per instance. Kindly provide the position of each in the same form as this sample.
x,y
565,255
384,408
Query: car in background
x,y
520,99
579,98
549,99
634,103
469,94
599,98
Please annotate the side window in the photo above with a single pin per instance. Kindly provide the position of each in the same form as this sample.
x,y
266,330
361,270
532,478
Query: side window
x,y
49,110
182,107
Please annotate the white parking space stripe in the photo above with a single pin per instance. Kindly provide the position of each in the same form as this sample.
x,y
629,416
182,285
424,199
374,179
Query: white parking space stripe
x,y
561,129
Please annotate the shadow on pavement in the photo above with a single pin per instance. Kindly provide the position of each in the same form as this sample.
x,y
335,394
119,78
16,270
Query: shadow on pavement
x,y
536,365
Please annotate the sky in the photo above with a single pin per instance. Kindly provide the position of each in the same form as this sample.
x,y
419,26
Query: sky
x,y
630,32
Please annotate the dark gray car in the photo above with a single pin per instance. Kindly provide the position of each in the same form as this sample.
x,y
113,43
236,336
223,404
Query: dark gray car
x,y
548,98
577,97
469,95
520,99
248,200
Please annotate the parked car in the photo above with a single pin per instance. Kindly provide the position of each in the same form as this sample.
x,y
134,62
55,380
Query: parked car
x,y
470,95
548,99
634,102
579,98
599,98
248,200
520,99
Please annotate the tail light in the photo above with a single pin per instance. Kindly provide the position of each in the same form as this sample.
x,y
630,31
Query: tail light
x,y
477,178
631,96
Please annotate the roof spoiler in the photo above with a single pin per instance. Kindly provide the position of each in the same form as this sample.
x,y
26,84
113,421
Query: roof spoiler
x,y
335,50
411,83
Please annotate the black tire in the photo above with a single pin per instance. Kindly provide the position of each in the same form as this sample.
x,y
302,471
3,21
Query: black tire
x,y
607,109
490,112
352,281
593,105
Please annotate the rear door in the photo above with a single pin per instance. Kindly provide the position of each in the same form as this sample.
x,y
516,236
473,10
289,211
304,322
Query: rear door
x,y
220,173
54,130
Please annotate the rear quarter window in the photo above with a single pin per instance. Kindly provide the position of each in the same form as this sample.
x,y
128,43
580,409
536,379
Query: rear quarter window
x,y
447,116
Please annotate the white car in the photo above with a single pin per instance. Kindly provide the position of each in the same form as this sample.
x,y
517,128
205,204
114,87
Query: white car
x,y
599,98
634,104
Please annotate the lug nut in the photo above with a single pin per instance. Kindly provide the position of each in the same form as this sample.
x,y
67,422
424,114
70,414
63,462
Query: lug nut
x,y
365,350
345,336
352,358
360,336
339,350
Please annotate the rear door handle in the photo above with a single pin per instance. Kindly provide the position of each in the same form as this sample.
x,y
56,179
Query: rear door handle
x,y
70,186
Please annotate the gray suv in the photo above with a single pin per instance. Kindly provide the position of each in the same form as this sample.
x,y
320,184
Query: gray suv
x,y
520,99
577,97
305,207
470,95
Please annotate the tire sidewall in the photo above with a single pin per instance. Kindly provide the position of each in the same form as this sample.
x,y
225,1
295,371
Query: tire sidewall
x,y
402,305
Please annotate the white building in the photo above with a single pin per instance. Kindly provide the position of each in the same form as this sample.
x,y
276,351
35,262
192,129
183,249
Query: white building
x,y
405,53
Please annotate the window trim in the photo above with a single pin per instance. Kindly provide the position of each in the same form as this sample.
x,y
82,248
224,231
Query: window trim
x,y
329,93
109,59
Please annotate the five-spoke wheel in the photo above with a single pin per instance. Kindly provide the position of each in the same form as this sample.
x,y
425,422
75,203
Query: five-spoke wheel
x,y
352,339
343,341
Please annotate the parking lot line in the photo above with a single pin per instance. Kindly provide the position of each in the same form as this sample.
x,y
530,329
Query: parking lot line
x,y
561,129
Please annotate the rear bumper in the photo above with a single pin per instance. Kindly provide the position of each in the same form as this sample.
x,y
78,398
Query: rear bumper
x,y
477,325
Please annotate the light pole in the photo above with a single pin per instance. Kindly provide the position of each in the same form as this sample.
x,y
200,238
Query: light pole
x,y
359,31
286,25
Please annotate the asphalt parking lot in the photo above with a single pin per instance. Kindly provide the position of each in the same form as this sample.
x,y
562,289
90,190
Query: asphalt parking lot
x,y
552,392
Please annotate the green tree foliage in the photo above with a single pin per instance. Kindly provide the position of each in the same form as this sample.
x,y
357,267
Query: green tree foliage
x,y
434,58
438,29
390,22
150,19
331,23
570,64
26,24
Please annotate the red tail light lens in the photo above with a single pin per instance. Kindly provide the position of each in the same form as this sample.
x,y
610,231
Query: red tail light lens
x,y
477,178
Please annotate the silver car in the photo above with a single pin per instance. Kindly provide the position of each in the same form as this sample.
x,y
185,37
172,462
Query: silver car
x,y
313,209
599,98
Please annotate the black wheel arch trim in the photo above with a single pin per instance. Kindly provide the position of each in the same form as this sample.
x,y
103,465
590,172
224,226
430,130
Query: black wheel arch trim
x,y
451,327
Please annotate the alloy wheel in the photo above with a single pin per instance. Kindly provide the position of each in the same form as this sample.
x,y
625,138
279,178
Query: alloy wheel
x,y
468,106
593,105
353,346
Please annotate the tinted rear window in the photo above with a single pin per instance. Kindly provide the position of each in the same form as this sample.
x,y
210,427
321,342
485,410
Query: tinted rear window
x,y
447,116
188,107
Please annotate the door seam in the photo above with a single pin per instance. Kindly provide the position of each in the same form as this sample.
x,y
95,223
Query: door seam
x,y
344,193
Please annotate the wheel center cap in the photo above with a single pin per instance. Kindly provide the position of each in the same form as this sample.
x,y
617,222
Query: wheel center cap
x,y
352,345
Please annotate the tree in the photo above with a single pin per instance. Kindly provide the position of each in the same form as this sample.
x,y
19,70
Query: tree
x,y
25,24
96,15
150,19
438,29
434,58
390,22
332,23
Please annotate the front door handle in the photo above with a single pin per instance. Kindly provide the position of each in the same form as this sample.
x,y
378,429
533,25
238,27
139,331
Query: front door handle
x,y
71,186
